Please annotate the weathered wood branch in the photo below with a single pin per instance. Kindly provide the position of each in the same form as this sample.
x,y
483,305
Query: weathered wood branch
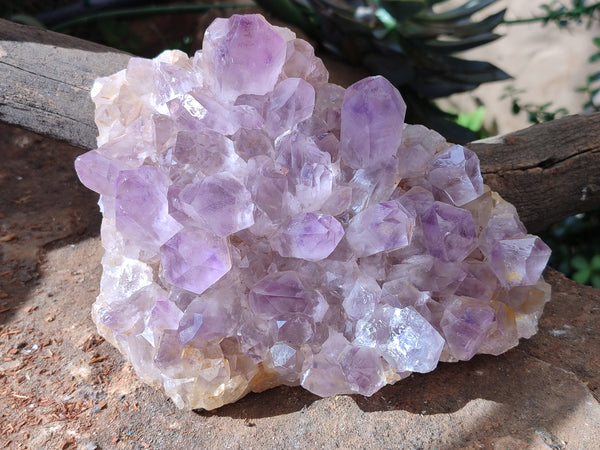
x,y
547,171
45,80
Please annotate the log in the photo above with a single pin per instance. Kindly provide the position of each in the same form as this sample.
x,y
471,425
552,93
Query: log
x,y
45,80
548,171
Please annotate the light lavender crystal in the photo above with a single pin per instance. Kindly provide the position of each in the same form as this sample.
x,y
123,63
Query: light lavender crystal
x,y
263,227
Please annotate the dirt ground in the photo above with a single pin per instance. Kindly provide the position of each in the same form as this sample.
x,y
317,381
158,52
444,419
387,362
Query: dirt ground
x,y
63,387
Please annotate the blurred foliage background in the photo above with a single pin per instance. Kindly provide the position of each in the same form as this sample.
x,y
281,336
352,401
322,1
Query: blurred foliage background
x,y
416,44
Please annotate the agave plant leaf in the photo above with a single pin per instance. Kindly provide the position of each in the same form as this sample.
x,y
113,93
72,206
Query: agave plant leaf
x,y
441,87
487,74
402,10
465,29
27,19
438,63
430,3
446,81
453,46
466,10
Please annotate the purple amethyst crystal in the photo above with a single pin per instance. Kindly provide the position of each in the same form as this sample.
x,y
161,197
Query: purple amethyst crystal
x,y
455,174
219,202
241,55
382,227
308,236
263,227
280,294
194,259
402,337
141,211
371,112
449,232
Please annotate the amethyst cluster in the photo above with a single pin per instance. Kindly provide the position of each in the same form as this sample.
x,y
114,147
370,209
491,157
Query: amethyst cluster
x,y
263,227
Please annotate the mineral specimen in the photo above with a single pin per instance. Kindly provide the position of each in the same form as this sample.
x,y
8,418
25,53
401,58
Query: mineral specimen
x,y
263,227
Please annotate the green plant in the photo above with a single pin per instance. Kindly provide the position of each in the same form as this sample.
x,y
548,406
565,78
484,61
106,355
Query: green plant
x,y
115,33
592,84
587,271
473,120
556,12
409,43
535,113
575,244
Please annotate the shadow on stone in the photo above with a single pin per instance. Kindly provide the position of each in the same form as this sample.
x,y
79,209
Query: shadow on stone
x,y
519,399
513,399
42,206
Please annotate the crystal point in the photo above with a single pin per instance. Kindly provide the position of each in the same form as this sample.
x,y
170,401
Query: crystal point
x,y
242,55
382,227
308,236
371,118
195,259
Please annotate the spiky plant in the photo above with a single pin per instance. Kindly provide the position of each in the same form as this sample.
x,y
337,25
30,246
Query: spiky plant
x,y
407,42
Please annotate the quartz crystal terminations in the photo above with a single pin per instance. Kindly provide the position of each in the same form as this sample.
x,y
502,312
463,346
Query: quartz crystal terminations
x,y
263,227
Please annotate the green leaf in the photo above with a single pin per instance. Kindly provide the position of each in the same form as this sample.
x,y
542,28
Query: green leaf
x,y
532,117
460,45
26,19
595,57
494,74
582,276
432,29
456,69
472,120
428,114
593,77
336,6
402,10
443,63
441,87
391,67
595,263
579,263
516,108
466,10
563,267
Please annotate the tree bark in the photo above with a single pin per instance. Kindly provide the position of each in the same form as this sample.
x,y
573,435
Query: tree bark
x,y
548,171
45,80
